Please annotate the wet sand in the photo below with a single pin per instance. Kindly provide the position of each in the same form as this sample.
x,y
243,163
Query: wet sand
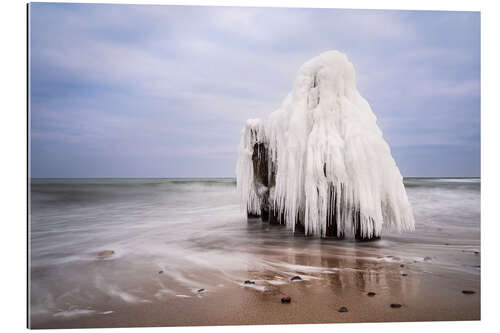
x,y
425,294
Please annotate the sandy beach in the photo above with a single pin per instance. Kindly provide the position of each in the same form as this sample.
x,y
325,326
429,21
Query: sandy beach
x,y
424,293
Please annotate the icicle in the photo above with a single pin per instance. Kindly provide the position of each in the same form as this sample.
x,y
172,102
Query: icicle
x,y
252,134
329,164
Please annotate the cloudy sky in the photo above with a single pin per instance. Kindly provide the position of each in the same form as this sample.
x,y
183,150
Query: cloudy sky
x,y
163,91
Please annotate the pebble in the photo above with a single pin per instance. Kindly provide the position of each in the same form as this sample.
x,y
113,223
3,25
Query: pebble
x,y
249,282
343,309
468,292
286,299
160,272
201,290
371,294
404,274
395,305
105,253
296,278
401,265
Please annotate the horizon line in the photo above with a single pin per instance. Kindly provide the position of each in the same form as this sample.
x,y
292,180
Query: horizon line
x,y
428,177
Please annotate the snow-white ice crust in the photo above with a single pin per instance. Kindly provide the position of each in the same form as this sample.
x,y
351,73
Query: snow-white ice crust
x,y
327,149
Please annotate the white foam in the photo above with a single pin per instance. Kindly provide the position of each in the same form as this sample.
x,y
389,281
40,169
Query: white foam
x,y
74,313
129,298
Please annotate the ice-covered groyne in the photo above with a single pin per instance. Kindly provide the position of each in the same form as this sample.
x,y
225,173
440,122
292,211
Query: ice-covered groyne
x,y
319,164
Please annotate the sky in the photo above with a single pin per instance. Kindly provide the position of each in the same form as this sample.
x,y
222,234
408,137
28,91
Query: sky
x,y
164,91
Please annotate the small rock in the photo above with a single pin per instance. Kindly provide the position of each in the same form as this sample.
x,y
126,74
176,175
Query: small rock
x,y
249,282
296,278
105,253
371,294
446,244
286,299
427,259
160,272
201,290
395,305
401,265
404,274
468,292
343,309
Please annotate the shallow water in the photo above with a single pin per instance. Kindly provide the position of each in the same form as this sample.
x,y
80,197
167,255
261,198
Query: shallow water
x,y
181,238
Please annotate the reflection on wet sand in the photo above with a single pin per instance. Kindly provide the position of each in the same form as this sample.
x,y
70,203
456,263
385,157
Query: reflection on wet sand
x,y
336,271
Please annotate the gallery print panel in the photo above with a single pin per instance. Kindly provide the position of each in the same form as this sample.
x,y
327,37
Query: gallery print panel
x,y
205,165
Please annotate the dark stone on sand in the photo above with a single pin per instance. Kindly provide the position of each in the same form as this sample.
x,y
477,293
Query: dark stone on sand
x,y
343,309
427,259
446,244
286,299
160,272
404,274
105,253
201,290
395,305
401,265
371,294
468,292
249,282
296,278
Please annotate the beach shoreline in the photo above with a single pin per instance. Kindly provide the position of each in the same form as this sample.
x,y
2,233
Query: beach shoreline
x,y
424,293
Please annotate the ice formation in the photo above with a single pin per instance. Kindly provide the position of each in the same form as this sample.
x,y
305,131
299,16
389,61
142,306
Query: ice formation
x,y
320,163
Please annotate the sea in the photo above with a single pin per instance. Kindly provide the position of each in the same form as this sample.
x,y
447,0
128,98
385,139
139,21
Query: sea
x,y
94,243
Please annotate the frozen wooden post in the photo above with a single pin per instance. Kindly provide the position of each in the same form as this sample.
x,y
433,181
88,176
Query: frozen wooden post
x,y
319,163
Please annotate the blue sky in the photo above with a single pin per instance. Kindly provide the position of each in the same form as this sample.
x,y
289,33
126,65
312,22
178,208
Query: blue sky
x,y
163,91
